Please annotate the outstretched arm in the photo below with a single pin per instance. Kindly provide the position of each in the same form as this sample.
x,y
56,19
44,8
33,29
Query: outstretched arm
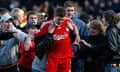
x,y
6,35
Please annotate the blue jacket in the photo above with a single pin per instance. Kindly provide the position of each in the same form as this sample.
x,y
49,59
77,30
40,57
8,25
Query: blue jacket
x,y
83,32
10,49
82,27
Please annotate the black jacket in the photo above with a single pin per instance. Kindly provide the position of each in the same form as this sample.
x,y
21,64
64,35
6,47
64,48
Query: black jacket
x,y
99,49
6,35
113,38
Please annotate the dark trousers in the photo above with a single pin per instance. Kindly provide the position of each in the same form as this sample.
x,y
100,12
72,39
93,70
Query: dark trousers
x,y
94,66
22,69
12,69
77,63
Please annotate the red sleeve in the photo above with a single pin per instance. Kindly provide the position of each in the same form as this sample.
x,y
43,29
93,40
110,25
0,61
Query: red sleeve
x,y
43,31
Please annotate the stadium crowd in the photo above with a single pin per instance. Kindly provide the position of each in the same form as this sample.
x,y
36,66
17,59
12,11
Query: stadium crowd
x,y
59,35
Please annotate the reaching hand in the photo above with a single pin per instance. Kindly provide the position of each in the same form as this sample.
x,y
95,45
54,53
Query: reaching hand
x,y
16,35
85,43
1,43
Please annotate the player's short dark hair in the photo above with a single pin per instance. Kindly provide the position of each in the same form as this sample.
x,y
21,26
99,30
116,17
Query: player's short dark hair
x,y
60,11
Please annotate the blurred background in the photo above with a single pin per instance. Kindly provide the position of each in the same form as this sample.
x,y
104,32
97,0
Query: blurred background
x,y
94,8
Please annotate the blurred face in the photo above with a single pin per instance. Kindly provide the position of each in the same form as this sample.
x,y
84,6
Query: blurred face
x,y
105,23
21,17
7,25
70,11
33,19
58,20
93,31
118,16
30,30
41,17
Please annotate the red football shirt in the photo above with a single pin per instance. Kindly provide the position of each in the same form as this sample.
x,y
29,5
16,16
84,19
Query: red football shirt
x,y
62,45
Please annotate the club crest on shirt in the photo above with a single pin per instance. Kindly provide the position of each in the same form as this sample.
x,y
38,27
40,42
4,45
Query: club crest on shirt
x,y
60,36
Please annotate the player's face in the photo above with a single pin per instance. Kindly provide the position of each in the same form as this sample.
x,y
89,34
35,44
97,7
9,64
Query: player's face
x,y
58,20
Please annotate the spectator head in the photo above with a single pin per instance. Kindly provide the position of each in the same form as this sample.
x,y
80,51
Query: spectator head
x,y
85,17
14,4
5,17
30,27
70,8
118,14
42,16
110,17
118,24
7,21
59,15
69,4
96,27
17,14
32,17
3,11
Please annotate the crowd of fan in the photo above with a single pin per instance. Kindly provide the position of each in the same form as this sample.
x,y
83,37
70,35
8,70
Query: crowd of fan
x,y
94,8
95,23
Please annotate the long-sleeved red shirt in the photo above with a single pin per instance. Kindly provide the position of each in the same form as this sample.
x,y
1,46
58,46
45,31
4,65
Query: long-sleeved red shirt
x,y
62,45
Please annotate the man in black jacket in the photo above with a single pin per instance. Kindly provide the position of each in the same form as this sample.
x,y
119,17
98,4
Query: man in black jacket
x,y
113,38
